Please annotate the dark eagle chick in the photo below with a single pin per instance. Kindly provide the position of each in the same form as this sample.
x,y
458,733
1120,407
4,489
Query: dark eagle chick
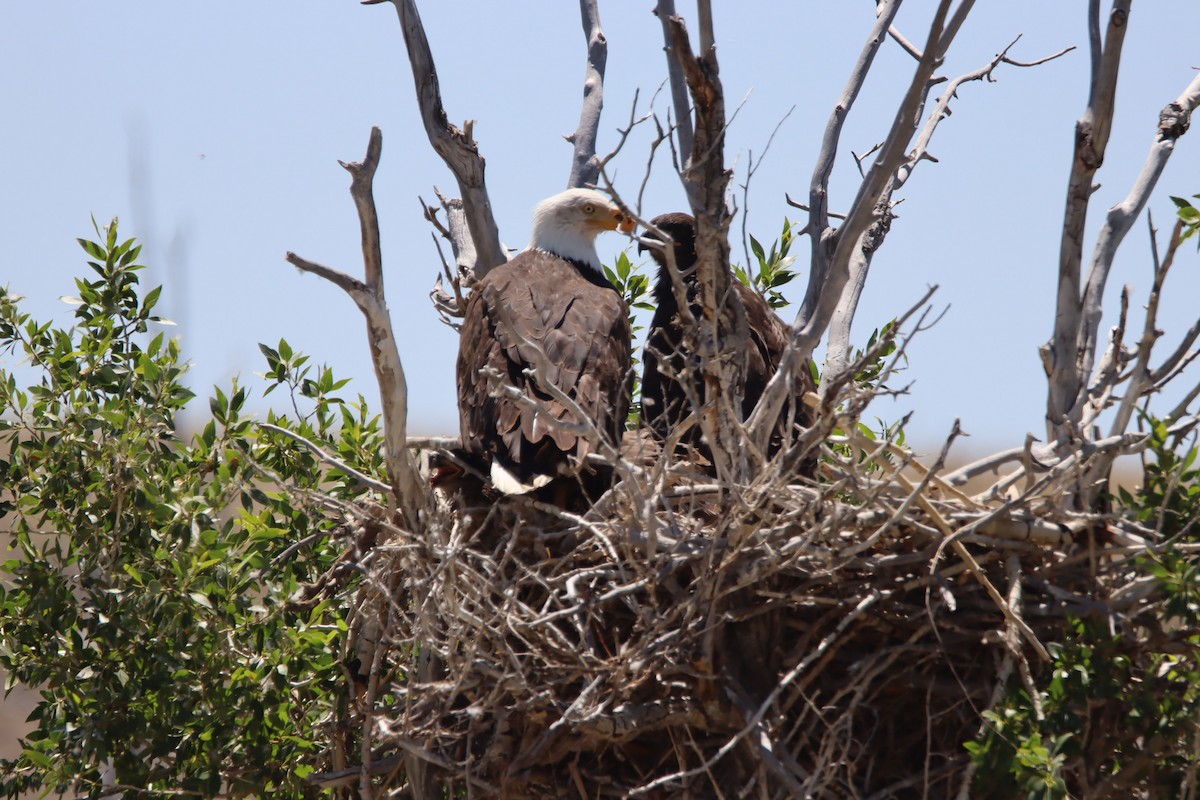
x,y
665,402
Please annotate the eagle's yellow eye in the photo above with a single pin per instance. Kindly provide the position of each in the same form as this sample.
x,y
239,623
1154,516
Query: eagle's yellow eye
x,y
588,208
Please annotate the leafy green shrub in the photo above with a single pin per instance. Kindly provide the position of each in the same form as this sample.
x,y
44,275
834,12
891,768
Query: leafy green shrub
x,y
148,597
1119,707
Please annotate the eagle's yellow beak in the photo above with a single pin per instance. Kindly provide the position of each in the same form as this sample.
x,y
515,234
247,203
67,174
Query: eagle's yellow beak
x,y
624,224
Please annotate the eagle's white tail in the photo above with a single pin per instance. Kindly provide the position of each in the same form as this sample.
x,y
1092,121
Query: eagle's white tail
x,y
506,482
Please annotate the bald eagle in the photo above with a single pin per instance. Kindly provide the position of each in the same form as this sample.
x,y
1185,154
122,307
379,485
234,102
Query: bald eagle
x,y
547,318
665,402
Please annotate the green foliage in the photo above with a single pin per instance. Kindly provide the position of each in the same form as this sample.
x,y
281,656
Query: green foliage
x,y
872,371
634,288
146,598
1108,713
632,285
1169,500
1112,711
774,267
1190,215
870,374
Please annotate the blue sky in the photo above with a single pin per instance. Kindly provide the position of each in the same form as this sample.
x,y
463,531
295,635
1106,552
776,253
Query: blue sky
x,y
213,130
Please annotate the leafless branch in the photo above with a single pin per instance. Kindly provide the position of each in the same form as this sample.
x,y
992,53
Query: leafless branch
x,y
722,332
456,146
585,167
842,319
1063,353
451,307
665,10
798,232
818,192
407,489
623,136
904,43
832,251
751,168
1173,123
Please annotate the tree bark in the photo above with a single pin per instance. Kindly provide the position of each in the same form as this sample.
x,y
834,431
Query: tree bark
x,y
456,146
722,331
1063,355
585,166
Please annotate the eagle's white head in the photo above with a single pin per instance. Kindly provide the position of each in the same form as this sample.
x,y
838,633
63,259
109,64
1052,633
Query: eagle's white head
x,y
568,223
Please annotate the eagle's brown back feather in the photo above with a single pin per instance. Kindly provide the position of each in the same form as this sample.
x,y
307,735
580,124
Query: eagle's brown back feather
x,y
540,301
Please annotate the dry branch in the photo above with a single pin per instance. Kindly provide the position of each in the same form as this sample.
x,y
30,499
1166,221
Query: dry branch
x,y
818,193
665,10
834,250
585,166
721,333
839,346
1063,354
456,146
1174,121
408,489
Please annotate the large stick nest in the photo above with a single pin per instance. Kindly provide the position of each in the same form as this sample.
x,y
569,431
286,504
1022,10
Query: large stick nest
x,y
831,638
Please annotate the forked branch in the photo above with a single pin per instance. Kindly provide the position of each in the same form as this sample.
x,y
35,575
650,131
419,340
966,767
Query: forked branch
x,y
838,350
407,488
1063,355
1174,121
833,250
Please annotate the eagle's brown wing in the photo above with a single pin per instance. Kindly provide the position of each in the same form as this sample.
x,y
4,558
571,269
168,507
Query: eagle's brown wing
x,y
539,311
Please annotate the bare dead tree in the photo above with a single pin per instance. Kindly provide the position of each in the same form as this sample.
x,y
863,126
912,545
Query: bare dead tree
x,y
696,635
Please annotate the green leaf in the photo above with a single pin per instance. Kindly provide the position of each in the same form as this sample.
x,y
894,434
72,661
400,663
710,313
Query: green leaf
x,y
757,249
151,299
37,758
92,249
